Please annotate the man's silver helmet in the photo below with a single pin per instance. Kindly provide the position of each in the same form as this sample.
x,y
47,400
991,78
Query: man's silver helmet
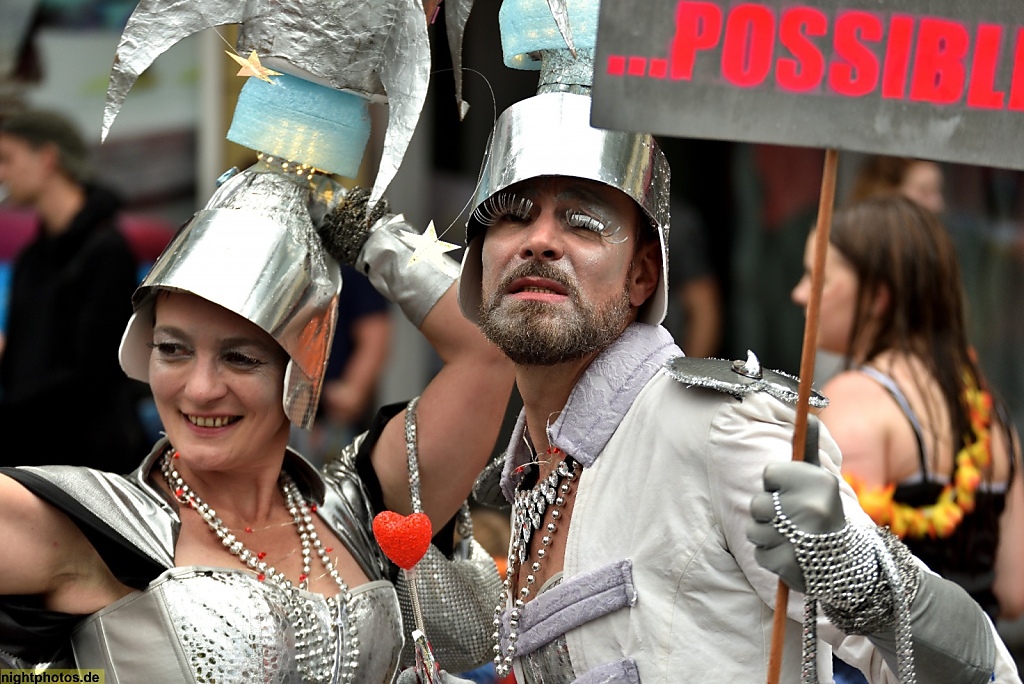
x,y
550,134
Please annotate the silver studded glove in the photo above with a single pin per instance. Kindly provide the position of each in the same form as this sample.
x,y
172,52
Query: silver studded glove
x,y
864,578
381,245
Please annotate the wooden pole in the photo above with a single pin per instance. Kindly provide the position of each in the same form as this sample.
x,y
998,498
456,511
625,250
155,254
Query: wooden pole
x,y
821,232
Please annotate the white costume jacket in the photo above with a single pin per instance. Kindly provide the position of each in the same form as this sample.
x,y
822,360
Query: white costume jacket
x,y
660,584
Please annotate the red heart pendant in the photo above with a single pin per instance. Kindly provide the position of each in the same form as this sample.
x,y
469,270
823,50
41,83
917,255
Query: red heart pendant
x,y
403,538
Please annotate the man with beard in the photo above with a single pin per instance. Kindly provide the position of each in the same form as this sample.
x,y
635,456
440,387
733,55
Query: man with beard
x,y
522,315
654,506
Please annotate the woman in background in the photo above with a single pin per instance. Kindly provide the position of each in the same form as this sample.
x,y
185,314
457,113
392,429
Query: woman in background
x,y
926,446
916,179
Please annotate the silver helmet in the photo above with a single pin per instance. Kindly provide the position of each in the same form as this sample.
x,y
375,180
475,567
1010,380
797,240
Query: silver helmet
x,y
550,134
253,250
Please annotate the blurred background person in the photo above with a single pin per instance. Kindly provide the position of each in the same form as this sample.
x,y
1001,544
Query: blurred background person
x,y
359,353
917,179
695,303
929,450
70,297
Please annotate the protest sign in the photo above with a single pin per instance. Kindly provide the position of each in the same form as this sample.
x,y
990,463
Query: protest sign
x,y
937,79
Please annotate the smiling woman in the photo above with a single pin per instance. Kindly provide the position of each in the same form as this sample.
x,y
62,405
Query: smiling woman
x,y
225,556
225,552
217,380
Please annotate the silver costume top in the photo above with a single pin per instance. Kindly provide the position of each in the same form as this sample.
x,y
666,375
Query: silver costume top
x,y
195,624
199,624
551,663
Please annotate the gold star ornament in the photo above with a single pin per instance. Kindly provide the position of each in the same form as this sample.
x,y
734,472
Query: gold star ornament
x,y
252,66
428,247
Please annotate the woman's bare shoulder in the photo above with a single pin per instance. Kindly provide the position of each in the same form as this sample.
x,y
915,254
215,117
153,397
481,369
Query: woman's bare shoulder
x,y
851,388
47,554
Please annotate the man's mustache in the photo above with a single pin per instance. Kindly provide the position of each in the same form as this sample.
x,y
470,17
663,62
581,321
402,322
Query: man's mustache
x,y
539,269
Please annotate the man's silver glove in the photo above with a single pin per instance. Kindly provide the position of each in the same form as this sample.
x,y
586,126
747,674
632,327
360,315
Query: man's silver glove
x,y
802,535
809,497
864,578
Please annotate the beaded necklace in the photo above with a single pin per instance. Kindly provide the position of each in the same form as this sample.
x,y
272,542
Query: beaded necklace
x,y
318,654
941,518
529,510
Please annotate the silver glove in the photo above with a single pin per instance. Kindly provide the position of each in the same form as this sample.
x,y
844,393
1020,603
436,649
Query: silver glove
x,y
386,259
927,629
810,498
802,535
381,245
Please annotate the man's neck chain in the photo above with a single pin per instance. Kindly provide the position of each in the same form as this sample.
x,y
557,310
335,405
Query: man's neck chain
x,y
529,511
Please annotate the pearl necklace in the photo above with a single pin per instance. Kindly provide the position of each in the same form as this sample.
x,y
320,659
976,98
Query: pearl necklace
x,y
310,643
529,510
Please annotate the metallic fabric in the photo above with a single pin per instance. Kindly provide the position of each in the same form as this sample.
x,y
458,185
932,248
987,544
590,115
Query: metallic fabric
x,y
487,488
562,72
205,624
345,229
902,575
726,376
148,519
454,595
129,504
550,135
560,13
456,14
457,596
549,664
254,251
369,48
386,259
347,510
863,581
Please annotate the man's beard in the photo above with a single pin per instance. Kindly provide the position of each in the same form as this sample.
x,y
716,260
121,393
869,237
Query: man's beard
x,y
533,333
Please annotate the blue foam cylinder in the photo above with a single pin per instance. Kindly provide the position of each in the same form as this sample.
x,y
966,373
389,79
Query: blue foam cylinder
x,y
303,122
527,26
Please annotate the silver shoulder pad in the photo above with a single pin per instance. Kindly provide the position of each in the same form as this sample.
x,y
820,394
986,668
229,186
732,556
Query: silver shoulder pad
x,y
739,378
348,512
487,488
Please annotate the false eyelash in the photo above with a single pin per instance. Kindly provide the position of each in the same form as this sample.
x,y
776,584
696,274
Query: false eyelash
x,y
492,209
579,220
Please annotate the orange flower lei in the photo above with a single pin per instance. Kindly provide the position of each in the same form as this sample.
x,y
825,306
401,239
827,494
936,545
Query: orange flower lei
x,y
957,498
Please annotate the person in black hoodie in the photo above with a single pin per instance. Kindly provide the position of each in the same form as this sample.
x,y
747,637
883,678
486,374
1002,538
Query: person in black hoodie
x,y
63,397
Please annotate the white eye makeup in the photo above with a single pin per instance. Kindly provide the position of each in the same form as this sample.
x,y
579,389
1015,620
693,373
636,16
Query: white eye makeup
x,y
591,219
239,354
503,206
584,216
